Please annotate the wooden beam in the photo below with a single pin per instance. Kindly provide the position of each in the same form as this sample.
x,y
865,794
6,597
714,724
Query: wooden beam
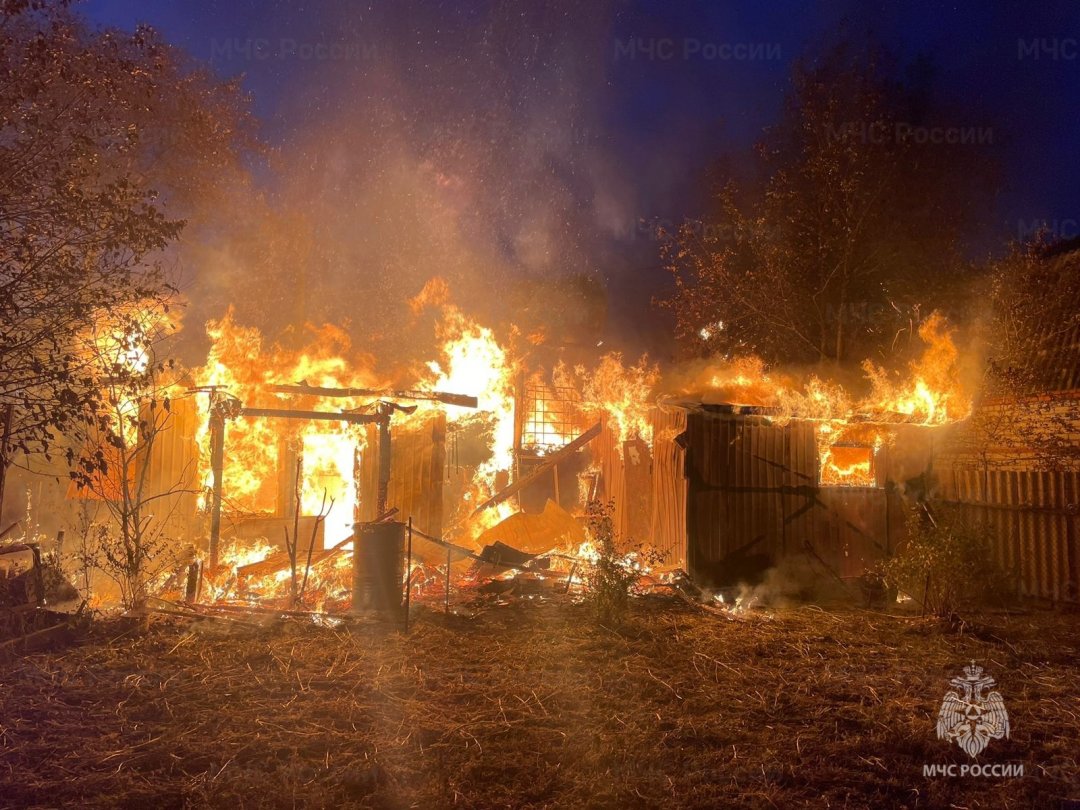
x,y
217,465
561,454
325,416
461,400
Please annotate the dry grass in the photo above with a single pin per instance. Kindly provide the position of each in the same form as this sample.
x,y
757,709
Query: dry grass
x,y
535,706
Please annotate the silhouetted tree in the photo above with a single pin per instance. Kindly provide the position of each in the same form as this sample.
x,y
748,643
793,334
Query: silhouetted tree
x,y
866,193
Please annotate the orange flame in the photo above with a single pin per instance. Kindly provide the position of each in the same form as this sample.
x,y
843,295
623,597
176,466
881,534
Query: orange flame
x,y
848,434
620,394
239,364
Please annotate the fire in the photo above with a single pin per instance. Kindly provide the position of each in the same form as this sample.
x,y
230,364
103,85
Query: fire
x,y
846,454
436,293
120,348
233,365
474,361
123,347
553,415
239,364
848,432
221,583
469,358
746,378
121,342
328,463
619,394
624,394
930,395
328,579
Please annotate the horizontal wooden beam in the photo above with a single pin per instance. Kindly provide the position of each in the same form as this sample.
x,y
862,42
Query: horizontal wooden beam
x,y
324,416
461,400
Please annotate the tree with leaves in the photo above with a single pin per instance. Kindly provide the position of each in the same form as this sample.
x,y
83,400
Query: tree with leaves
x,y
1027,415
107,140
866,193
113,454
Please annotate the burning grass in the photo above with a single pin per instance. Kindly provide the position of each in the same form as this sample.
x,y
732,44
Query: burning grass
x,y
534,705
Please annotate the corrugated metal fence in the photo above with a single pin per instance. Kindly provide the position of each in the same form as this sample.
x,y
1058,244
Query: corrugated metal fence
x,y
752,489
668,530
1031,517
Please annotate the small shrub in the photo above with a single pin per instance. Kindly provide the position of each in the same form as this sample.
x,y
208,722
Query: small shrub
x,y
945,565
612,574
135,559
55,580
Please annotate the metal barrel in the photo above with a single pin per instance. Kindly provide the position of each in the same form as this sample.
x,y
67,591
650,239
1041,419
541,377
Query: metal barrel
x,y
378,567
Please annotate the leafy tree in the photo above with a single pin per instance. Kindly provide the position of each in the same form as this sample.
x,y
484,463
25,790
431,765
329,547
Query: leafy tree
x,y
1023,417
112,454
106,140
858,220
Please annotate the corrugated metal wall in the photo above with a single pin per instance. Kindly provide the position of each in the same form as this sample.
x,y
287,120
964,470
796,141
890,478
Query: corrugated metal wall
x,y
173,468
1031,515
752,489
417,471
669,485
647,486
606,456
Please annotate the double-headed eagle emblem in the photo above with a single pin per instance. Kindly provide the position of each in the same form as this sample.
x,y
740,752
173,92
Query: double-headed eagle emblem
x,y
971,715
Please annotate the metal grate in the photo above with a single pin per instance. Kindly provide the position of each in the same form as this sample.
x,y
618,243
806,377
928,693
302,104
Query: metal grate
x,y
551,418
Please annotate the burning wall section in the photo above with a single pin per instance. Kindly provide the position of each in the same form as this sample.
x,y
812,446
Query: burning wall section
x,y
456,469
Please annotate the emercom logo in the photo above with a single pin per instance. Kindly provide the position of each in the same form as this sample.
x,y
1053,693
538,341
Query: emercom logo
x,y
971,717
972,714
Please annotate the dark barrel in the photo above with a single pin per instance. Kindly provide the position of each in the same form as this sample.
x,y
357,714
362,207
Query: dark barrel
x,y
378,567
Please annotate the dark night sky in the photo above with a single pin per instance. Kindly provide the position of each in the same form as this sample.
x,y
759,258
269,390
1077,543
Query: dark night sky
x,y
594,138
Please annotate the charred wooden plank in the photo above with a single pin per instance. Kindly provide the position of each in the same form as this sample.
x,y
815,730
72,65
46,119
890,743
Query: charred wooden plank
x,y
324,416
560,455
461,400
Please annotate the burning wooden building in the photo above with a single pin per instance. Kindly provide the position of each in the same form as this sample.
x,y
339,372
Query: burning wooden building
x,y
736,472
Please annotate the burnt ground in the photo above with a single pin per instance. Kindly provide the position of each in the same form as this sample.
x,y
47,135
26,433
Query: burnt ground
x,y
535,705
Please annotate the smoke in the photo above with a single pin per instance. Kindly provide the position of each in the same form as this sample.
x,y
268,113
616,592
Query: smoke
x,y
457,141
797,579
